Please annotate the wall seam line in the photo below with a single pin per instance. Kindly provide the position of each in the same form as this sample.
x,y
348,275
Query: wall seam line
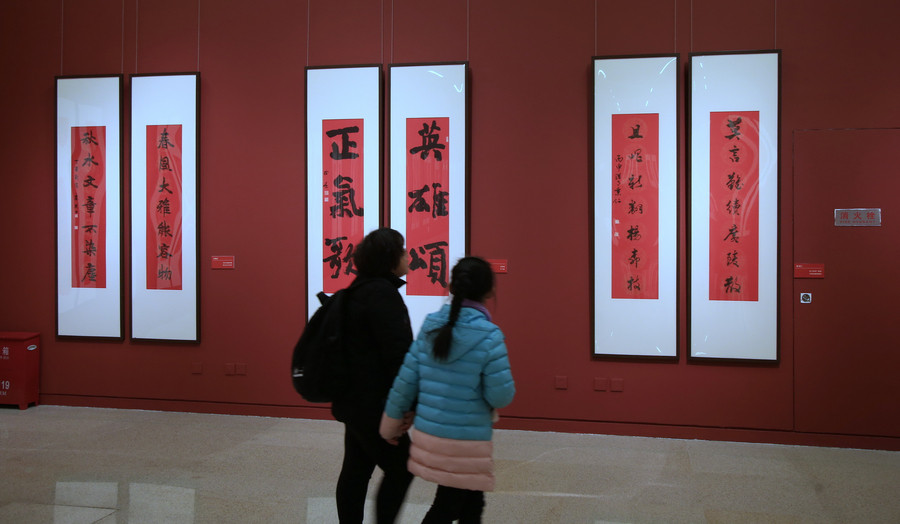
x,y
62,34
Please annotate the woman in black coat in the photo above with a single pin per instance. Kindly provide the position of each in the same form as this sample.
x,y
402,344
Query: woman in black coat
x,y
377,339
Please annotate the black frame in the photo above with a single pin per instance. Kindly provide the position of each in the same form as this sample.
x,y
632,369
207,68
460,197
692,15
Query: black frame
x,y
197,144
691,358
592,212
121,90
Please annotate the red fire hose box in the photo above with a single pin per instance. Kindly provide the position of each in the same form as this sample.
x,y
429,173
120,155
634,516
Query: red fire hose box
x,y
20,368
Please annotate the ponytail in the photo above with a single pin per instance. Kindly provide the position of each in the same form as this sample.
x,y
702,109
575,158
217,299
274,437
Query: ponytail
x,y
442,341
472,279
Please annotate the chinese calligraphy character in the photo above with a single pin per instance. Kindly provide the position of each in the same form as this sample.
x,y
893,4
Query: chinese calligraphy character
x,y
164,187
731,259
637,155
164,229
90,205
734,154
634,284
344,199
164,252
636,132
734,181
429,142
437,261
90,228
90,249
732,285
89,138
164,140
344,152
90,273
635,208
89,182
634,259
162,206
733,206
735,127
634,233
635,182
337,248
164,273
89,160
164,164
732,234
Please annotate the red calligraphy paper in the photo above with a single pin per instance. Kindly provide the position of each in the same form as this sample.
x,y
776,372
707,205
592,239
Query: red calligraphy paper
x,y
428,205
734,205
635,206
89,207
343,182
164,207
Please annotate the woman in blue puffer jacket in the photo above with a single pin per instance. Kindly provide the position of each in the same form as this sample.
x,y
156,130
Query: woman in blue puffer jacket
x,y
455,375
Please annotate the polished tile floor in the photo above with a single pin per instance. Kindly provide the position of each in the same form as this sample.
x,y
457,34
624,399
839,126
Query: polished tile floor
x,y
65,465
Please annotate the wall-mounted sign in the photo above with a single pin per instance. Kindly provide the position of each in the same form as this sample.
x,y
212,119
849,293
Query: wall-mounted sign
x,y
223,262
806,270
857,217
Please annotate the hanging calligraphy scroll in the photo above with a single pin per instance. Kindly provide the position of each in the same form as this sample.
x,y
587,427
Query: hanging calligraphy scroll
x,y
343,167
634,202
734,206
164,202
429,132
343,194
164,207
89,206
635,206
428,213
88,190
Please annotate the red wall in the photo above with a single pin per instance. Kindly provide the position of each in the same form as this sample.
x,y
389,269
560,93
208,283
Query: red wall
x,y
530,128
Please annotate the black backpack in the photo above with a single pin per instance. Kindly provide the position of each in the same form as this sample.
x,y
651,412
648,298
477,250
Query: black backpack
x,y
318,366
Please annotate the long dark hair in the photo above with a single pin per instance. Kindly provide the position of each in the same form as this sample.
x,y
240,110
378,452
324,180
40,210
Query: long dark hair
x,y
471,278
379,253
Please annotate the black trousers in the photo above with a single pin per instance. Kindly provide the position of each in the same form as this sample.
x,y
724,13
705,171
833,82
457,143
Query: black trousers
x,y
363,450
455,504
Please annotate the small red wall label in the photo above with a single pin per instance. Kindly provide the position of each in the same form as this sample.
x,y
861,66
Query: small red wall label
x,y
806,270
223,262
499,266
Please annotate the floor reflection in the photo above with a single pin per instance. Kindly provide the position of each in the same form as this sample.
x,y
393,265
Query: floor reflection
x,y
92,502
100,466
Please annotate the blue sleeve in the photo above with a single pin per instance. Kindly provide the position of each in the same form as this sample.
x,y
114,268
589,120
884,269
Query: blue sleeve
x,y
499,387
405,390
